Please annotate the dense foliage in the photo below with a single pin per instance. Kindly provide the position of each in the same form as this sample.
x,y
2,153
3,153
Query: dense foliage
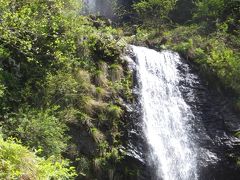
x,y
63,83
154,11
18,162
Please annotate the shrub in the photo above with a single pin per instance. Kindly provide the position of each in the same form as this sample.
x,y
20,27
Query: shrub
x,y
84,165
2,87
101,93
114,111
38,129
101,79
97,135
17,162
154,11
212,53
224,62
116,72
209,9
67,89
62,88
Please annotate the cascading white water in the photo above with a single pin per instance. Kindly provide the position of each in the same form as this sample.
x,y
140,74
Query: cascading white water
x,y
167,118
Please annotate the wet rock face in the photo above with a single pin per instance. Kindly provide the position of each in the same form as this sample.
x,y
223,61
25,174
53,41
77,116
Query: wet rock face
x,y
134,142
215,124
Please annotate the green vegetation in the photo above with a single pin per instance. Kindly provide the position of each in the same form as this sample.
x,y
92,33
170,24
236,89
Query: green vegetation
x,y
63,82
17,162
57,95
37,129
212,53
154,12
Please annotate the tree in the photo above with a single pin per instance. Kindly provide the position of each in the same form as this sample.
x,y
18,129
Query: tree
x,y
154,12
209,10
183,11
216,12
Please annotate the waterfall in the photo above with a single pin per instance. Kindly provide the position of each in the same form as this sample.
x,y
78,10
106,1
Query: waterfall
x,y
166,116
99,7
90,6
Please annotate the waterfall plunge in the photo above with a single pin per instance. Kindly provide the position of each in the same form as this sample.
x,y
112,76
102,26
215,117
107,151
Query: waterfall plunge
x,y
167,118
99,7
